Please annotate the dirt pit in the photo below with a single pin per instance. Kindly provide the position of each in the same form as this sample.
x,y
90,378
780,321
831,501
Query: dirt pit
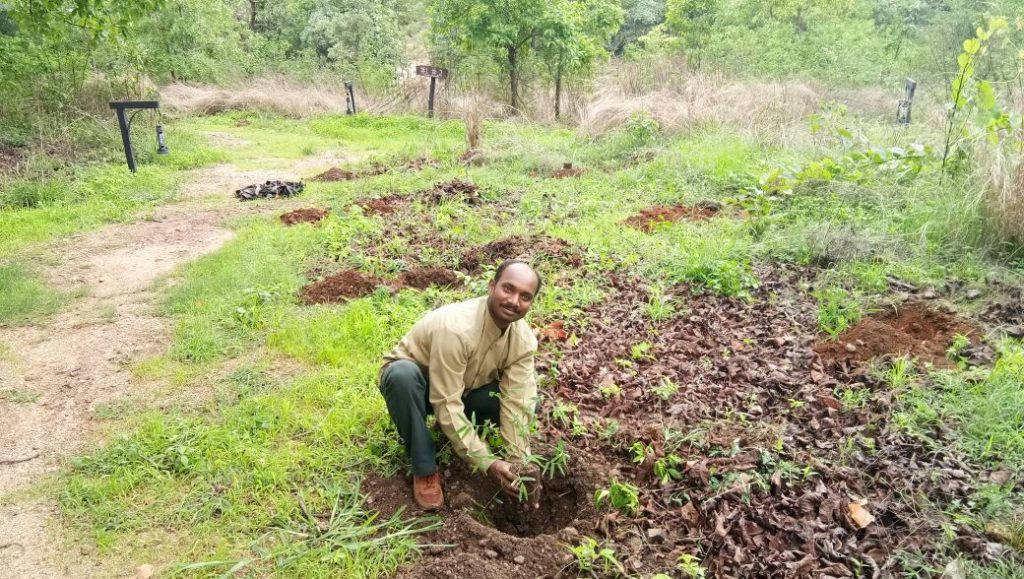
x,y
424,277
338,174
653,217
567,171
383,205
912,329
455,190
530,249
487,535
339,287
307,215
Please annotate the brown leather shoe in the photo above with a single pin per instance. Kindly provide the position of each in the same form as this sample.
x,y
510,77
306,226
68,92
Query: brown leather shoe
x,y
427,491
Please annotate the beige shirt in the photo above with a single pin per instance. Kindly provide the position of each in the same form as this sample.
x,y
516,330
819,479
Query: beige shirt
x,y
460,348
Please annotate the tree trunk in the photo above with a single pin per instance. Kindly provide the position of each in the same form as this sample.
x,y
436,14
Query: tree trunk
x,y
513,76
558,89
253,7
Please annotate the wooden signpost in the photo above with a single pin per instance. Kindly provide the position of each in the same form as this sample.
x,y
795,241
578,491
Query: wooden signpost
x,y
434,73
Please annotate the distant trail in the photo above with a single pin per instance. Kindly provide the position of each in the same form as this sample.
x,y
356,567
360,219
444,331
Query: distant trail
x,y
81,358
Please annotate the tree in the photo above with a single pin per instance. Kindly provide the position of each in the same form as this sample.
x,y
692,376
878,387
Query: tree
x,y
507,29
573,47
692,21
639,18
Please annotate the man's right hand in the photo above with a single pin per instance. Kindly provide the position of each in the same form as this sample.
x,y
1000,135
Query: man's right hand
x,y
501,472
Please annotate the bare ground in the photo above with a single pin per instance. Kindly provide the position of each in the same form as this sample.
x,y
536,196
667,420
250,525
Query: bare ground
x,y
80,360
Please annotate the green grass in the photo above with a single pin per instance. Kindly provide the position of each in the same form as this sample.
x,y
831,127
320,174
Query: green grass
x,y
212,480
25,296
986,405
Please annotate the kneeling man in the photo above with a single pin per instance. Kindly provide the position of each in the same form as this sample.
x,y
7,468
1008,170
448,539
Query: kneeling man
x,y
468,363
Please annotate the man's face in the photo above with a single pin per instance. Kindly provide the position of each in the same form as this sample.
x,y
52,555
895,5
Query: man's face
x,y
510,298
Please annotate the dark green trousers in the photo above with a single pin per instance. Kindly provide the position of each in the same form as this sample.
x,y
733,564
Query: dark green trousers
x,y
406,391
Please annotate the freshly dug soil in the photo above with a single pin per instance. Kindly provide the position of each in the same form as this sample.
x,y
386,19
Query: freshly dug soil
x,y
383,205
538,248
424,277
308,215
339,287
913,329
455,190
653,217
338,174
567,170
493,536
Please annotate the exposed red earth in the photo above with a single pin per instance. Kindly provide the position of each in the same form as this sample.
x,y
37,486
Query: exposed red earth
x,y
308,215
653,217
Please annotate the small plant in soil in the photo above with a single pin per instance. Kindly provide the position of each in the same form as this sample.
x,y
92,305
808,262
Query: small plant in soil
x,y
838,309
608,429
667,470
621,496
660,306
639,451
641,351
557,464
666,389
611,391
957,351
592,558
564,414
690,567
899,374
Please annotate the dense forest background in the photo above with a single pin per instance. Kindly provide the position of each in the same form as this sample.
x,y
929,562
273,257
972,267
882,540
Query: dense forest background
x,y
65,59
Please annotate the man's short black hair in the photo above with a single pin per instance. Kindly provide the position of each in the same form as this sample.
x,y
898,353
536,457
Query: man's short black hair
x,y
504,265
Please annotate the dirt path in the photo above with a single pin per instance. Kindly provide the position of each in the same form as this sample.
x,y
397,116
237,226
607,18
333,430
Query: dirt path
x,y
74,365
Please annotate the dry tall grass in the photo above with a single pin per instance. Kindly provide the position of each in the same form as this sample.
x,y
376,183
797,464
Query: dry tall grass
x,y
472,109
1005,194
677,98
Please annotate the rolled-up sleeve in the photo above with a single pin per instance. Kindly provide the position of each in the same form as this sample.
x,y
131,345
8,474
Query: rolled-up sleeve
x,y
448,359
518,404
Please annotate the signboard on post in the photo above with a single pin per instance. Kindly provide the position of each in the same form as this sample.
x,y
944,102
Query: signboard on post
x,y
434,73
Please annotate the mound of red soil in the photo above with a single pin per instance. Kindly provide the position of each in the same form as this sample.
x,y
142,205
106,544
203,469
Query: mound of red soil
x,y
912,329
339,287
424,277
337,174
567,170
308,215
652,217
518,247
453,190
383,205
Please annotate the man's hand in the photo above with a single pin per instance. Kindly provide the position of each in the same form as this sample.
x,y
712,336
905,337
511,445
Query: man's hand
x,y
511,483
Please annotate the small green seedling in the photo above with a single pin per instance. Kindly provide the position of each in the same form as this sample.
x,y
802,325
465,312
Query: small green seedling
x,y
666,389
641,351
591,558
611,391
622,496
690,566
